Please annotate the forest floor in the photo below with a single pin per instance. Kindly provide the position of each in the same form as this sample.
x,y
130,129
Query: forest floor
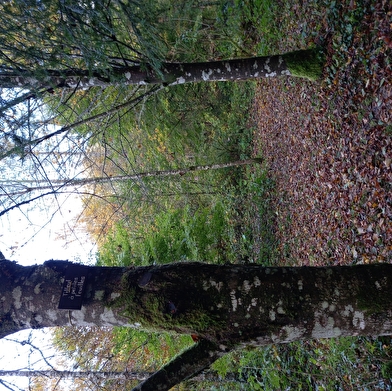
x,y
328,145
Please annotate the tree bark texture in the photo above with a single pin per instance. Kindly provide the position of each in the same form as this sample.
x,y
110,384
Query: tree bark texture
x,y
96,376
30,297
87,375
298,63
226,306
220,303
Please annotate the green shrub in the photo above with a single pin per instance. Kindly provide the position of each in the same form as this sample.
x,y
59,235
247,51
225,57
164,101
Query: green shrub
x,y
175,235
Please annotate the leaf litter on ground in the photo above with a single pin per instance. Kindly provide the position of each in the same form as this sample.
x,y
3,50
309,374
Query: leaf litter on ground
x,y
328,144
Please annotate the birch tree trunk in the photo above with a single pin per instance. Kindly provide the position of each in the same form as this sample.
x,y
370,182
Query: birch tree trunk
x,y
27,186
302,63
225,305
94,376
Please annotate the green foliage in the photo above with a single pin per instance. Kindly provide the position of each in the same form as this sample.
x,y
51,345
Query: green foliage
x,y
198,119
178,235
116,250
167,217
149,351
175,235
66,35
237,226
335,364
100,34
251,26
255,233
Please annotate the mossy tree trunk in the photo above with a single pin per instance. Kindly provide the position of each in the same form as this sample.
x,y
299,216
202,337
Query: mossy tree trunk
x,y
302,63
225,306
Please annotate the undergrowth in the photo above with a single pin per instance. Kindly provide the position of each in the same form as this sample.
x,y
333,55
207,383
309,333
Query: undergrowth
x,y
225,216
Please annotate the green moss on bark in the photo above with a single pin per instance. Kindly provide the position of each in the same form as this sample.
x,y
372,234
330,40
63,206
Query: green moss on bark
x,y
307,64
152,311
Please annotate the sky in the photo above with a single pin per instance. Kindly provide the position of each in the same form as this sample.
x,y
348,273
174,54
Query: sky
x,y
35,236
43,230
32,237
35,233
14,356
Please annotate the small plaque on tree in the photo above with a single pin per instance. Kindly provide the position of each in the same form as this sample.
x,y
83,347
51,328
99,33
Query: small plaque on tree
x,y
73,287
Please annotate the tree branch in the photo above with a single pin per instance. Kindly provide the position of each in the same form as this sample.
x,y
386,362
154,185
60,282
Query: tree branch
x,y
184,366
37,141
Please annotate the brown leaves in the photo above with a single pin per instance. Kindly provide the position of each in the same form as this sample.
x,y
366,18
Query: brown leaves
x,y
329,148
333,177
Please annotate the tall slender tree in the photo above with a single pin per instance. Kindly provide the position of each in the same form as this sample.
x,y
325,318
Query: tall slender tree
x,y
87,375
302,63
22,187
45,50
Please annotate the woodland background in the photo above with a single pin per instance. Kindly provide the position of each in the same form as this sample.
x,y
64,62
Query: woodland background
x,y
322,194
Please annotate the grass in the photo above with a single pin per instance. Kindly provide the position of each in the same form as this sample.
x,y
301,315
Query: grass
x,y
336,364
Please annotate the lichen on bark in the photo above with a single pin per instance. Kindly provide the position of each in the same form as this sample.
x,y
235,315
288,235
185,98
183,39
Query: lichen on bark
x,y
225,305
234,304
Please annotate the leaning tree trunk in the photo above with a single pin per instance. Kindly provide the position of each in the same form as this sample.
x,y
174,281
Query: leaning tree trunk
x,y
302,63
224,306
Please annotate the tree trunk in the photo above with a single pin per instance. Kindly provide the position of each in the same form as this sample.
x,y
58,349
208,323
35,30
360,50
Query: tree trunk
x,y
303,63
221,303
225,305
25,186
86,375
96,376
